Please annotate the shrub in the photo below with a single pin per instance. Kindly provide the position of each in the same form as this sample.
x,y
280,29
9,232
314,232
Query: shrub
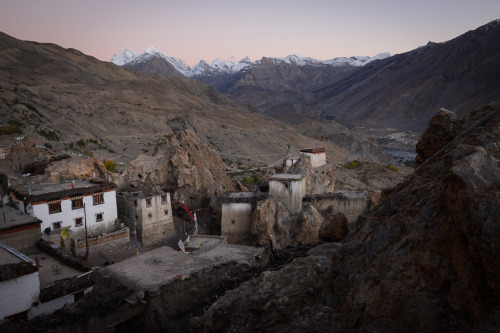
x,y
391,167
81,143
12,129
110,165
353,165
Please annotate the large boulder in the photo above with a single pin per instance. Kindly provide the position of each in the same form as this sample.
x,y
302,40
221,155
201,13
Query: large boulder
x,y
271,223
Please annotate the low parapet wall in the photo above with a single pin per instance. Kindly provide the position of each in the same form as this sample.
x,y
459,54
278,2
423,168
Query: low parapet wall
x,y
118,237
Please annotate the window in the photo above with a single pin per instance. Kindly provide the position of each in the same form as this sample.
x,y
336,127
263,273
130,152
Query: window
x,y
56,225
150,215
98,198
76,203
99,217
78,221
135,203
166,211
54,207
163,199
148,202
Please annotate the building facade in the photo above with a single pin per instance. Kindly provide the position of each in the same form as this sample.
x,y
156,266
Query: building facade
x,y
236,215
19,284
289,189
18,230
152,214
317,156
70,204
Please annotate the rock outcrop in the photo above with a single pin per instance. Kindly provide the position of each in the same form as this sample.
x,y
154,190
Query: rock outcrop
x,y
77,167
443,127
427,259
318,181
22,154
185,166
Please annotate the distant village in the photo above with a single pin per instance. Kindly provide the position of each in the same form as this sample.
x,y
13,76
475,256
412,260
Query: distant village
x,y
49,233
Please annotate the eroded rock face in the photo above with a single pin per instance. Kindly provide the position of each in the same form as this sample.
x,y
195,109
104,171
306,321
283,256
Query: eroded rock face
x,y
270,222
427,259
318,181
184,165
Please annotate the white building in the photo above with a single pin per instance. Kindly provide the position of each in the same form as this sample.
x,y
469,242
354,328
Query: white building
x,y
19,284
236,215
61,205
317,156
289,189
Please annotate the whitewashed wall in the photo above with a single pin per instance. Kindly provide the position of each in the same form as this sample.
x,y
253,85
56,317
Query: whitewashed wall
x,y
289,192
67,215
317,159
240,213
17,295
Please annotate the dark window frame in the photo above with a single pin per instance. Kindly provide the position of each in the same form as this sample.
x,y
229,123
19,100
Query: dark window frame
x,y
98,198
77,203
55,207
97,219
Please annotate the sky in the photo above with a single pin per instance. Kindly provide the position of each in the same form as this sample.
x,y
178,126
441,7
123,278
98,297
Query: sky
x,y
194,30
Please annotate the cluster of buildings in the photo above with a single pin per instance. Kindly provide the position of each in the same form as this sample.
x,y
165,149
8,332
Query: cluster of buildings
x,y
76,214
71,215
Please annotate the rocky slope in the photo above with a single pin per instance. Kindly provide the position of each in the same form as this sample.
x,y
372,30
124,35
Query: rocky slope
x,y
60,96
426,259
404,91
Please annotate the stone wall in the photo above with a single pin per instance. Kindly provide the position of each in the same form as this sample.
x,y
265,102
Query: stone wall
x,y
350,203
117,237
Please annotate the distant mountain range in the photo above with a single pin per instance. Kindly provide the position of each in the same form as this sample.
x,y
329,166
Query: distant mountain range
x,y
401,91
130,58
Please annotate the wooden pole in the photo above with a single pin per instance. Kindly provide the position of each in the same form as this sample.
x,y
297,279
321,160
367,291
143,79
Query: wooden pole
x,y
86,237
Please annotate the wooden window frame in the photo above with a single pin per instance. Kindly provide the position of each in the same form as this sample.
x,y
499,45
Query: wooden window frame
x,y
53,225
97,217
79,224
54,207
149,202
98,198
75,201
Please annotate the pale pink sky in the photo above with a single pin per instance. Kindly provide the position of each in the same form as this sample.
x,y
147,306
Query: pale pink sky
x,y
207,29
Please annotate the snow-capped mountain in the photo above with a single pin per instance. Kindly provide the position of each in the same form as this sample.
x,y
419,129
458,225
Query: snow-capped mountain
x,y
218,66
130,58
126,56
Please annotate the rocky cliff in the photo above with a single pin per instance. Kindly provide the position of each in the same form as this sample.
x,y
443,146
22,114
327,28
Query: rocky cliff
x,y
427,259
185,166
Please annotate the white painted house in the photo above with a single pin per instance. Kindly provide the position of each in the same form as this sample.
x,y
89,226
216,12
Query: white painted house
x,y
19,284
61,205
317,156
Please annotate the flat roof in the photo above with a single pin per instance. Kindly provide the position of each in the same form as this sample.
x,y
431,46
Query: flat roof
x,y
313,150
152,269
286,176
9,255
53,191
11,218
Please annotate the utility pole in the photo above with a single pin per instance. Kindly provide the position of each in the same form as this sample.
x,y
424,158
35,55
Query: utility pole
x,y
86,236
